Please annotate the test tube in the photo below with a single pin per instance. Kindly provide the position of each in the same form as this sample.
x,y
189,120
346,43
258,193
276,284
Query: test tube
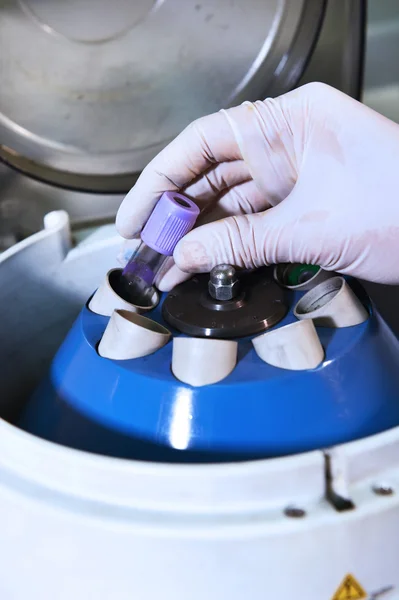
x,y
173,216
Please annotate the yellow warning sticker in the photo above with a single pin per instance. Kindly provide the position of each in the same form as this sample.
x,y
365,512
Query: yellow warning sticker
x,y
350,589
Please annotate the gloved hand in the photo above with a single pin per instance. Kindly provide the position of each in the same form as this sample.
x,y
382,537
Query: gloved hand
x,y
309,177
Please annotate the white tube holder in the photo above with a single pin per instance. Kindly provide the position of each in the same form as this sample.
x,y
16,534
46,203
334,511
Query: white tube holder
x,y
105,300
130,335
58,220
203,361
295,346
309,284
332,304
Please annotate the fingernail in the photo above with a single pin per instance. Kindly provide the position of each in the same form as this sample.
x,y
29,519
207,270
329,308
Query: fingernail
x,y
171,278
162,275
166,284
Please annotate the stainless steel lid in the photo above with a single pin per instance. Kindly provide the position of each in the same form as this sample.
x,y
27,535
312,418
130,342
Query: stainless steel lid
x,y
91,90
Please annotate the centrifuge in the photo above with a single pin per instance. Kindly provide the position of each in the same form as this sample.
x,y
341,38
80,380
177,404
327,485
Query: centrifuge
x,y
236,438
145,452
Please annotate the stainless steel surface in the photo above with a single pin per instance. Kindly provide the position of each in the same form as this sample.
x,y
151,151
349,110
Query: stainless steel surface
x,y
381,78
24,202
223,283
336,59
382,67
339,54
91,91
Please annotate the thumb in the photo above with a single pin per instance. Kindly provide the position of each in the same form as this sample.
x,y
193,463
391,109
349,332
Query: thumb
x,y
250,241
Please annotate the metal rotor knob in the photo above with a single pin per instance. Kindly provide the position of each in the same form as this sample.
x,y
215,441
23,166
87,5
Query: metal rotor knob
x,y
223,283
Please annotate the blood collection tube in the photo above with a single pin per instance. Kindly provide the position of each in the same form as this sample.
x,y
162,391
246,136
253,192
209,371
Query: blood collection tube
x,y
173,216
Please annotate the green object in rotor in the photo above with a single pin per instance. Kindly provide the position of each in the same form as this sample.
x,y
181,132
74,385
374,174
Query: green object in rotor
x,y
297,274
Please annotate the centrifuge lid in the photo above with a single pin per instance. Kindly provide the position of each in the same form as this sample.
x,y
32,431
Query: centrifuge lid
x,y
91,90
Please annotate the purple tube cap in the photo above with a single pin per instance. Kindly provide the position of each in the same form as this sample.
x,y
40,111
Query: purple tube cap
x,y
173,216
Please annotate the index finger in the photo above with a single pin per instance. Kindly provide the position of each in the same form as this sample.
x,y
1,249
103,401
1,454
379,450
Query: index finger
x,y
207,141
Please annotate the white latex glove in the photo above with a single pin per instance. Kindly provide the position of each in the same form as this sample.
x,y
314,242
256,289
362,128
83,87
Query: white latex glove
x,y
309,177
